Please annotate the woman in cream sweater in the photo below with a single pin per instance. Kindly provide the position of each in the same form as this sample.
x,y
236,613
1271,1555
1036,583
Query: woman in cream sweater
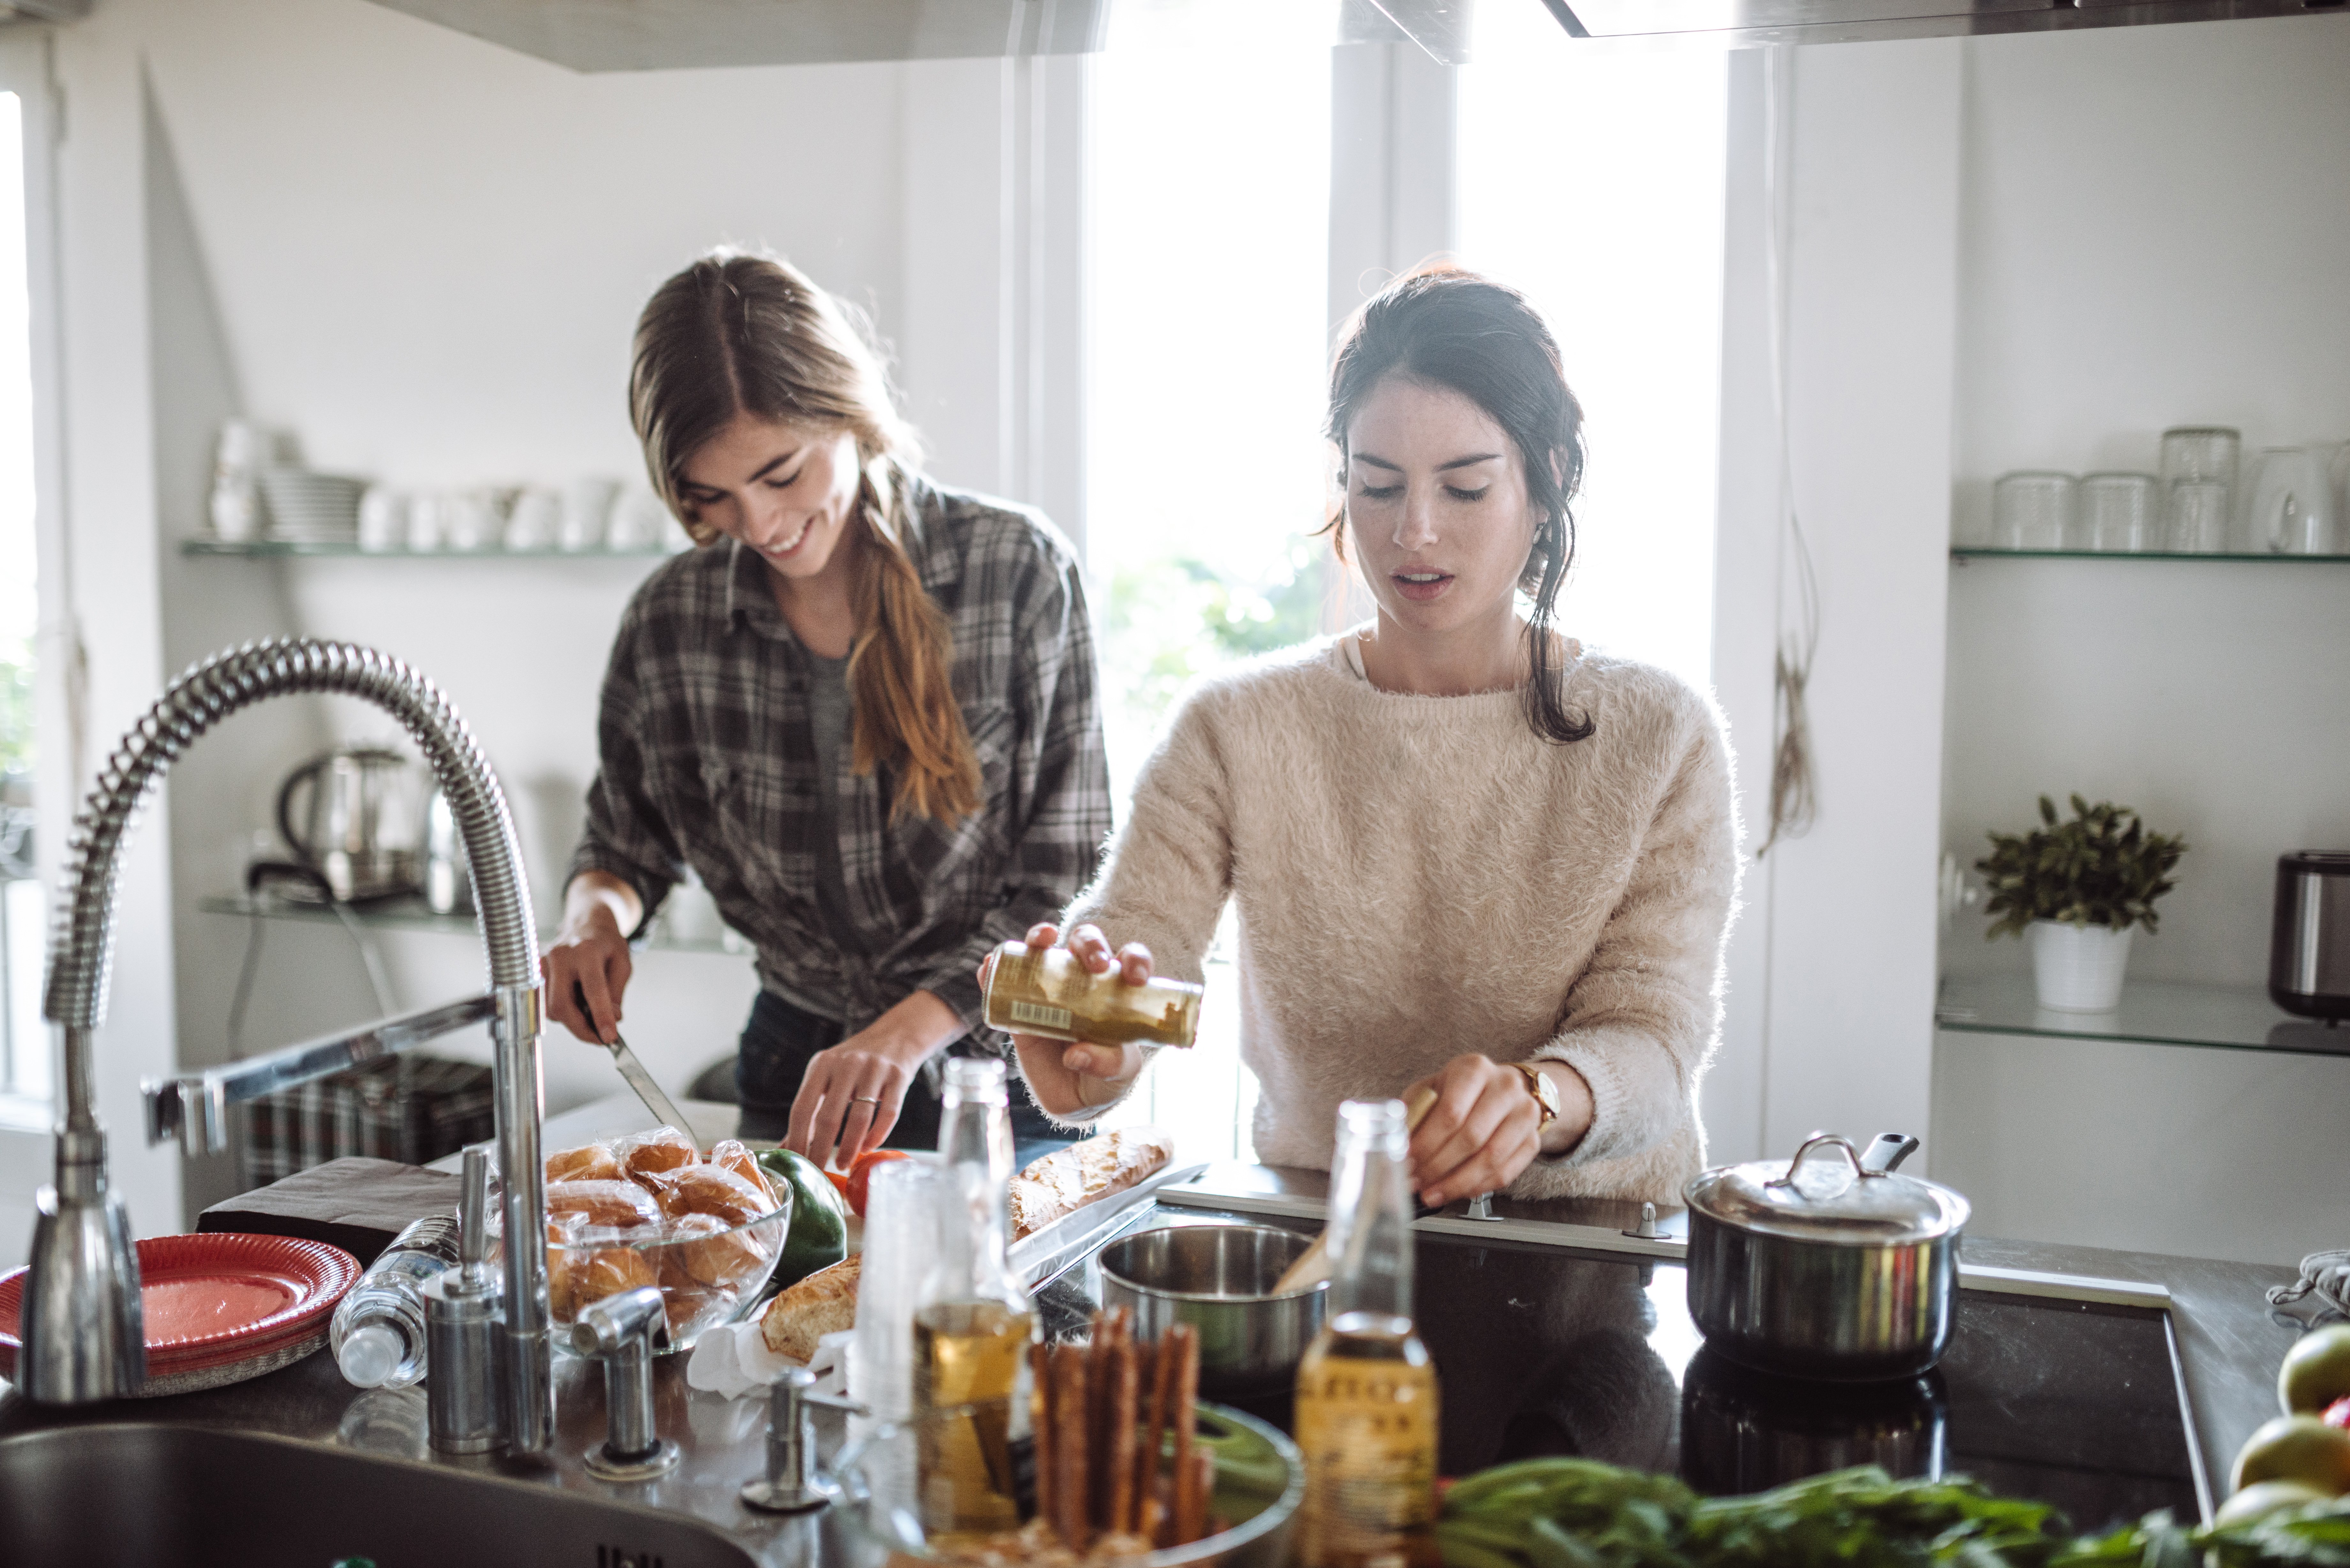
x,y
1468,854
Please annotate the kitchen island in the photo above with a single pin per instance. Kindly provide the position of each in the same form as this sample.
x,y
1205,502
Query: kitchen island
x,y
2227,1342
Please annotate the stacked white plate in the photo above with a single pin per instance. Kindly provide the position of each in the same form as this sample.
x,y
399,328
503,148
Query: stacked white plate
x,y
309,508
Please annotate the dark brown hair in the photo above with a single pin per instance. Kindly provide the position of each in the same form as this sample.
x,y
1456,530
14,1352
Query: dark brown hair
x,y
1448,327
746,334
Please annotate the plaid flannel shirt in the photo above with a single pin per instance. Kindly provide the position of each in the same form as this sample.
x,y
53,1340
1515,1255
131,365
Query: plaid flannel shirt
x,y
707,761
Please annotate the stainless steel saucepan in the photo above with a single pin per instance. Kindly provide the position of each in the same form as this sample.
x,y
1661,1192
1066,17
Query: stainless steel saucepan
x,y
1830,1266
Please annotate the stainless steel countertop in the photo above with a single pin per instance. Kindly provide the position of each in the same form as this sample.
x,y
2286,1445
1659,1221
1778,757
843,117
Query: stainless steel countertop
x,y
2230,1341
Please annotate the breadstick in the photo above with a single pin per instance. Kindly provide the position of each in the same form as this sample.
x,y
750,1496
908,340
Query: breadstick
x,y
1186,1417
1071,1484
1040,1405
1199,1496
1152,1517
1125,1387
1146,1389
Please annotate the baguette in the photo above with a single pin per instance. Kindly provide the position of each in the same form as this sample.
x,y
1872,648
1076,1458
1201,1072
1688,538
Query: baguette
x,y
823,1302
1067,1179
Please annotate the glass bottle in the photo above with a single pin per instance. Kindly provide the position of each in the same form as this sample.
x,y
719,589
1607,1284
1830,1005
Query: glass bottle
x,y
973,1327
1026,990
1367,1400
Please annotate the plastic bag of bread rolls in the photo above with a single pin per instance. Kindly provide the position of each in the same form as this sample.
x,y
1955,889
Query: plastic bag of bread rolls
x,y
709,1190
663,1148
735,1155
588,1162
615,1205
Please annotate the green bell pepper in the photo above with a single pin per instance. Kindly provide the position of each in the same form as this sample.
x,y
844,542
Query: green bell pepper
x,y
818,1236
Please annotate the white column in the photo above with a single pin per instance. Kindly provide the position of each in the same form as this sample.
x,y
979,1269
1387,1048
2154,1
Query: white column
x,y
1844,915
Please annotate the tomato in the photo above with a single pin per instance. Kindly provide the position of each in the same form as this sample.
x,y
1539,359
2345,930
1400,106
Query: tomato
x,y
860,1173
839,1180
2338,1413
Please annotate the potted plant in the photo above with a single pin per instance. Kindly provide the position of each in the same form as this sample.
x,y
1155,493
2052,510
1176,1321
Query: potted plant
x,y
2075,890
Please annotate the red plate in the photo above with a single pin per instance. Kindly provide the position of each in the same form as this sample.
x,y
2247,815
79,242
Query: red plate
x,y
208,1295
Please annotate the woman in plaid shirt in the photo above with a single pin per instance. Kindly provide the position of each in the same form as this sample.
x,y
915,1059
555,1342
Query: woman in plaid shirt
x,y
863,712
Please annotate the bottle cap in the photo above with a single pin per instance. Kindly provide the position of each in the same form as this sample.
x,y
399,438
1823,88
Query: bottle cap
x,y
370,1356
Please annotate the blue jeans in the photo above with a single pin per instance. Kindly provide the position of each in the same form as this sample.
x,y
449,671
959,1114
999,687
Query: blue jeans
x,y
776,1044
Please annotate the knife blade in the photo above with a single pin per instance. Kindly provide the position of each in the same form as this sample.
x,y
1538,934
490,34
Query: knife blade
x,y
663,1108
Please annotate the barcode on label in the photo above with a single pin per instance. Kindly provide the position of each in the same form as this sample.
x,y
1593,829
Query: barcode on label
x,y
1040,1015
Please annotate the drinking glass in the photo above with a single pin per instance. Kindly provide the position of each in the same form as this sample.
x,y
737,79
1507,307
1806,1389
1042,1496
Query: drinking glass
x,y
2199,517
2202,452
2120,512
908,1206
2031,510
2292,506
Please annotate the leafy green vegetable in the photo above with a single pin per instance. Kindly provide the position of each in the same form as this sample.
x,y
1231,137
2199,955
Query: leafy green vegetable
x,y
1579,1514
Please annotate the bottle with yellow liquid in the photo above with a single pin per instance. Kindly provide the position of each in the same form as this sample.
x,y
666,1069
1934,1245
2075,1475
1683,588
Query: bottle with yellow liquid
x,y
1366,1403
976,1452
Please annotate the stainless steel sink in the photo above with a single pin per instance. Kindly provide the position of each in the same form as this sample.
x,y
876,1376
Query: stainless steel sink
x,y
143,1495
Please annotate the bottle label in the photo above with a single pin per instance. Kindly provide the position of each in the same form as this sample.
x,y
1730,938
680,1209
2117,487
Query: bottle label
x,y
1042,1016
1369,1444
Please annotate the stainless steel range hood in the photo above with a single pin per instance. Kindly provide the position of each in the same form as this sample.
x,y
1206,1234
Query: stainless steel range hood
x,y
652,34
1841,21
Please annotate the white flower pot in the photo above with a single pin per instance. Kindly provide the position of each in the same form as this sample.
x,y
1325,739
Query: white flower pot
x,y
2079,969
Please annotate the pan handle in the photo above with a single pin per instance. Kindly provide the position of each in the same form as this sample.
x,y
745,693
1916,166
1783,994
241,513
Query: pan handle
x,y
1886,1155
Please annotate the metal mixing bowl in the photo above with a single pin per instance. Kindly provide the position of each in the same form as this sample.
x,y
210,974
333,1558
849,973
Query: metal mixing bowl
x,y
1219,1279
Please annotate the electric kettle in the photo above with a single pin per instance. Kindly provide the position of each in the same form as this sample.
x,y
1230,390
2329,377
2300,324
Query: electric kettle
x,y
2309,946
352,817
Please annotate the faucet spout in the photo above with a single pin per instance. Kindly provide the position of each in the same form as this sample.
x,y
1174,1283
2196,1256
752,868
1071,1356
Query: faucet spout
x,y
81,1322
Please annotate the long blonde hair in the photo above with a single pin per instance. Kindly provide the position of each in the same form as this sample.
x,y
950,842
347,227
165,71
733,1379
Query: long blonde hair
x,y
737,333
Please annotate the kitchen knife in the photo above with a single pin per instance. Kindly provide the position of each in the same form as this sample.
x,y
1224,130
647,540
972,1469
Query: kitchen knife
x,y
663,1108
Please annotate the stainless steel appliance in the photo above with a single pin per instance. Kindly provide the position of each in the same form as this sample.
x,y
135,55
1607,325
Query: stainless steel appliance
x,y
1826,1268
351,815
448,881
2309,944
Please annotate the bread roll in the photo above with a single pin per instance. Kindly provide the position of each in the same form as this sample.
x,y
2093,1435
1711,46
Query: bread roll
x,y
588,1162
611,1269
825,1303
1069,1179
708,1189
616,1204
706,1253
663,1148
735,1155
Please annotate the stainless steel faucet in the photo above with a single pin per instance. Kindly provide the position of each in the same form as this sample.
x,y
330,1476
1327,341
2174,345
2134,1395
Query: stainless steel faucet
x,y
81,1328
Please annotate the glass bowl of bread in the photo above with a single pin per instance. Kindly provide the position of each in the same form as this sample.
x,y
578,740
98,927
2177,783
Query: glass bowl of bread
x,y
653,1209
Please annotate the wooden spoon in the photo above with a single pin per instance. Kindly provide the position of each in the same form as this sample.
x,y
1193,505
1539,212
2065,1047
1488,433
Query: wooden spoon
x,y
1313,1266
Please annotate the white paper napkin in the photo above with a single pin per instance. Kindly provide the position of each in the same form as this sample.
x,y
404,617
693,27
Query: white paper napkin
x,y
733,1361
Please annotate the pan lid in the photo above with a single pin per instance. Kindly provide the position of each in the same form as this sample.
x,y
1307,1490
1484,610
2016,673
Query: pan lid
x,y
1818,1197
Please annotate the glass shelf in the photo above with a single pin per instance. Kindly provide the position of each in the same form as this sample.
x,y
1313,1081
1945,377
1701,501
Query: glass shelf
x,y
407,913
1964,552
2152,1011
289,547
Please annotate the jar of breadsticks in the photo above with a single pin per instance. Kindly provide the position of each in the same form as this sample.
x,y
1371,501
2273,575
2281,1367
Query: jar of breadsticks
x,y
1047,992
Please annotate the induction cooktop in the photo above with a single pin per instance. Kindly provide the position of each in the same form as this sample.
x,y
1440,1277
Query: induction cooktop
x,y
1545,1349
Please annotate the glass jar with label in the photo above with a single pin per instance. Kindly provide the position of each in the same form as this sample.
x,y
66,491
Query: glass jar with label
x,y
1050,993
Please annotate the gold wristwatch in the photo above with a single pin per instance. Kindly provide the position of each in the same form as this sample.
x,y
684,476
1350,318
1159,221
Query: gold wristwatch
x,y
1544,1092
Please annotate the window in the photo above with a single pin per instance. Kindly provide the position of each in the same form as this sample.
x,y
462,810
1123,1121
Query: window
x,y
23,1042
1591,177
1208,211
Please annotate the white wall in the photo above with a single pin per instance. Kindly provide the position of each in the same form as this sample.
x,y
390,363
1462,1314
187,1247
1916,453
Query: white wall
x,y
1833,969
423,254
2153,1149
2157,227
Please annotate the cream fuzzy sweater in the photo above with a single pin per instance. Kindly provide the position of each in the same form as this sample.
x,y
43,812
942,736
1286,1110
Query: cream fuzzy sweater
x,y
1422,876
